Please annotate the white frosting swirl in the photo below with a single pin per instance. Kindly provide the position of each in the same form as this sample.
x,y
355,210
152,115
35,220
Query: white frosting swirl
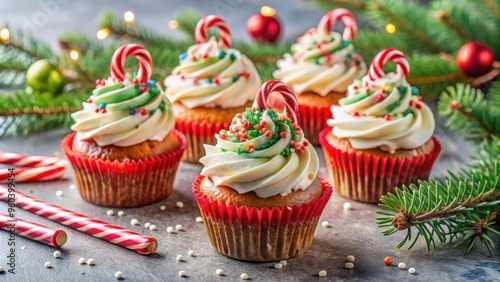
x,y
264,171
383,114
211,77
321,63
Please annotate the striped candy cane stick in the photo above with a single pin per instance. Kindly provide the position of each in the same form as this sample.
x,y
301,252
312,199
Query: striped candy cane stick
x,y
34,231
114,234
142,55
34,168
391,54
330,18
291,104
201,31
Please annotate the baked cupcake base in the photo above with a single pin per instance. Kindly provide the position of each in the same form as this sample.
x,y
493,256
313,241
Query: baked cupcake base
x,y
127,183
366,175
253,234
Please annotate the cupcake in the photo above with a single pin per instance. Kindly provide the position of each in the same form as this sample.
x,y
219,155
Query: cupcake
x,y
212,83
382,134
319,69
125,150
259,193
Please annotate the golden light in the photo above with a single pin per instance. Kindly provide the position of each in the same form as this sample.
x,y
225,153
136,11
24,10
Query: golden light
x,y
128,16
390,28
4,34
173,24
103,33
267,11
74,55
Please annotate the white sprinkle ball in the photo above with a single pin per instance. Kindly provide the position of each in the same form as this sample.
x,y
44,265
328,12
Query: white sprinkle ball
x,y
244,276
134,222
179,227
402,265
411,270
118,275
180,258
48,264
2,269
351,258
162,207
219,272
199,219
347,206
56,154
283,262
349,265
325,224
121,213
59,193
110,212
57,254
191,253
91,262
72,186
182,273
322,273
153,227
278,266
170,229
179,204
81,261
147,224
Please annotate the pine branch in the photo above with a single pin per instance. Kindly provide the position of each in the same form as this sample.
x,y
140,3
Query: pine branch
x,y
187,20
27,45
353,5
494,7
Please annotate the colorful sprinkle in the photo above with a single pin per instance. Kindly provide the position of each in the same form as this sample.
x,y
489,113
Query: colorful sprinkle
x,y
144,88
414,91
222,54
387,117
183,56
232,57
102,106
144,111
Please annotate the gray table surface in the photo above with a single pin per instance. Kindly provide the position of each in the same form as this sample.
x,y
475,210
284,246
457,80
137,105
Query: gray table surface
x,y
352,232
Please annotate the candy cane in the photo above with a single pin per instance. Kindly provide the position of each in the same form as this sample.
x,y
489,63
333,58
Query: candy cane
x,y
391,54
43,234
330,18
291,104
142,55
35,168
201,31
100,229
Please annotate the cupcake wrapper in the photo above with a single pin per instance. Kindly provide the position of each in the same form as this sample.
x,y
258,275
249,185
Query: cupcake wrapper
x,y
366,178
197,134
312,119
130,183
252,234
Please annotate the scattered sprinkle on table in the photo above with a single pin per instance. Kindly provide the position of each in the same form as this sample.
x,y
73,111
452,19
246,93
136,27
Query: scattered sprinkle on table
x,y
162,207
153,227
30,191
244,276
351,258
91,262
325,224
180,258
72,186
411,270
48,264
110,212
81,261
121,213
219,272
347,206
179,204
147,224
402,265
170,229
283,262
278,266
199,219
349,265
2,269
182,273
388,261
179,227
118,275
57,254
322,273
59,193
191,253
134,222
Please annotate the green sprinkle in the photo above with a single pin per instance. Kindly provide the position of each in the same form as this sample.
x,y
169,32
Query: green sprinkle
x,y
349,55
152,112
133,75
358,63
392,106
314,42
223,149
162,105
222,54
316,61
332,39
344,44
232,57
209,81
402,89
239,150
407,112
136,126
414,91
235,78
309,48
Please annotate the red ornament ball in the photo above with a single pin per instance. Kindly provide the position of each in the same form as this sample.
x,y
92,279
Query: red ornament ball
x,y
264,28
475,59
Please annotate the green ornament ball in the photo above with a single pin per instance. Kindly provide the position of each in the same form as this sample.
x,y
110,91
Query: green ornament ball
x,y
42,76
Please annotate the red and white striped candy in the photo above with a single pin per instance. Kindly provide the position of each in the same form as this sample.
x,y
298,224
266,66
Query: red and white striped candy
x,y
201,31
33,168
100,229
330,18
390,54
142,55
291,104
34,231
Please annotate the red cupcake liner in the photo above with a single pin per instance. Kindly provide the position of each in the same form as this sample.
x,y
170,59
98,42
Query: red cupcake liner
x,y
130,183
197,134
253,234
312,119
366,178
